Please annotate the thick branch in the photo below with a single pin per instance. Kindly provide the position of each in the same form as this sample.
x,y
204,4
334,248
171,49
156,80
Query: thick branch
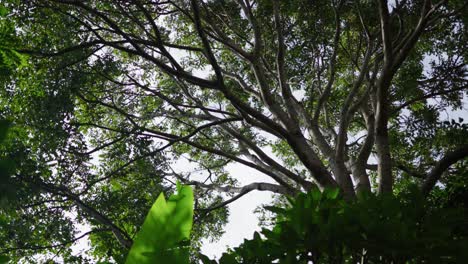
x,y
449,159
280,64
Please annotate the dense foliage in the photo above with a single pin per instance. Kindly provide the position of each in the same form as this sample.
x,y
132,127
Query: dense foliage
x,y
113,102
323,228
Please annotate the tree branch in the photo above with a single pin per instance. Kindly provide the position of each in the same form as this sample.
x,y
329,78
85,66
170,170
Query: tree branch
x,y
36,247
449,159
123,238
259,186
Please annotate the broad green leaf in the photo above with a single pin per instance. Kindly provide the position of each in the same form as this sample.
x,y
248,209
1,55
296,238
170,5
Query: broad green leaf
x,y
166,227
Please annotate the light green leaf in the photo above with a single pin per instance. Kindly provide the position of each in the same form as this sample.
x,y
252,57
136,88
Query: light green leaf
x,y
166,227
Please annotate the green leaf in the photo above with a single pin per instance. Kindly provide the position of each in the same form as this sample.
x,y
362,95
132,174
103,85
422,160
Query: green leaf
x,y
4,259
275,209
22,58
205,260
315,193
3,11
166,226
228,259
332,194
4,125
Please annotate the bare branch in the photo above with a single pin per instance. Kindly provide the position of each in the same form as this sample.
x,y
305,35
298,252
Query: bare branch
x,y
280,64
427,96
331,68
385,30
123,238
449,159
66,243
259,186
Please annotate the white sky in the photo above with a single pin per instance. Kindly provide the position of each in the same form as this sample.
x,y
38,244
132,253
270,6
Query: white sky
x,y
242,221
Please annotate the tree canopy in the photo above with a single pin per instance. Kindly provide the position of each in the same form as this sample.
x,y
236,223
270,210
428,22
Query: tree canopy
x,y
107,98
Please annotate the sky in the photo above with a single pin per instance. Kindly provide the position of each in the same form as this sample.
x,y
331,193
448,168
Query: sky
x,y
242,222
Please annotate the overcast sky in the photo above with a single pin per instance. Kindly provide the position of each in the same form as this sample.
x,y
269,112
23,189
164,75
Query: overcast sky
x,y
242,220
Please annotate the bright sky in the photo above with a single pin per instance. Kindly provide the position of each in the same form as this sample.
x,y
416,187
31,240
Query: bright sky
x,y
242,221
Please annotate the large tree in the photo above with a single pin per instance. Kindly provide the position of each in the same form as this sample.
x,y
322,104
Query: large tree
x,y
346,94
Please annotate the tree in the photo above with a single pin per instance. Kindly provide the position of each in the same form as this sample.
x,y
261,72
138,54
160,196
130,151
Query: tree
x,y
339,94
